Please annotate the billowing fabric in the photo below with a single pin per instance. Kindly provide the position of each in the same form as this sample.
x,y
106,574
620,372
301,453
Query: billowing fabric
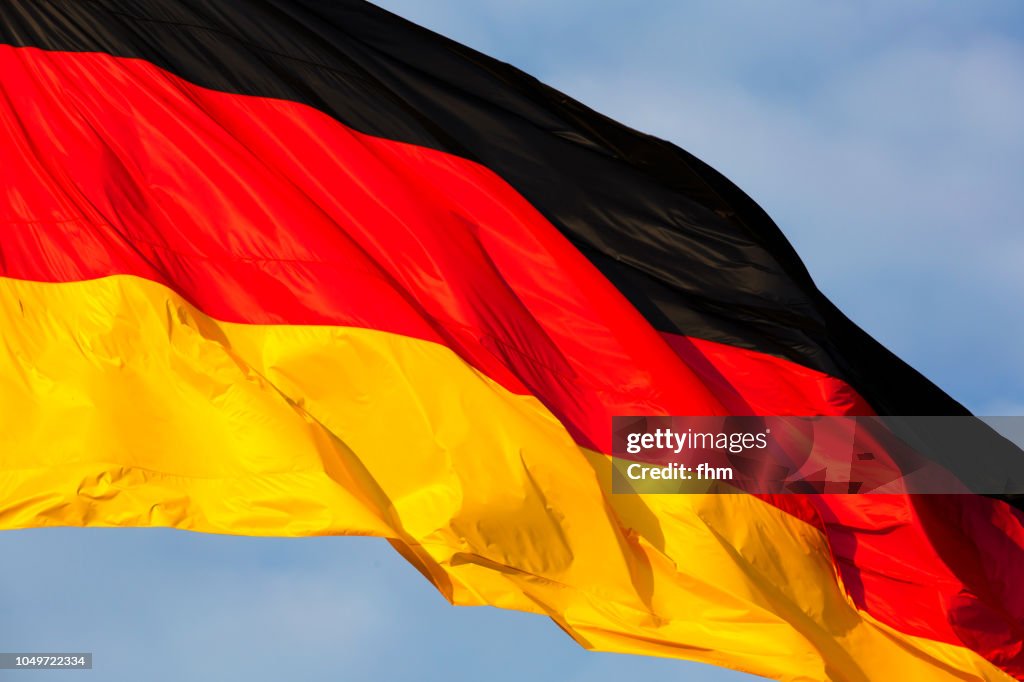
x,y
295,268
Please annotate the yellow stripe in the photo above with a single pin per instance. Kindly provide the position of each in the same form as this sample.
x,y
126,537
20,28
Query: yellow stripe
x,y
122,405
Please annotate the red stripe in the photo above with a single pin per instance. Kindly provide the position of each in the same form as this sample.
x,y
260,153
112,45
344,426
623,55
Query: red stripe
x,y
265,211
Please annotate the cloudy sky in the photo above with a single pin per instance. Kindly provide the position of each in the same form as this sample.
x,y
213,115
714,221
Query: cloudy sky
x,y
886,137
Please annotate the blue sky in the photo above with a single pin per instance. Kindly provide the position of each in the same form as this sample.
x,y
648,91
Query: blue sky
x,y
886,137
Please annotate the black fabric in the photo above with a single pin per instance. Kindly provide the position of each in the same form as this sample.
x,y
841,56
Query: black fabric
x,y
690,250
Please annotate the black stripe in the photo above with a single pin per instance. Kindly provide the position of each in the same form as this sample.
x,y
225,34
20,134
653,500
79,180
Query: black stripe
x,y
691,251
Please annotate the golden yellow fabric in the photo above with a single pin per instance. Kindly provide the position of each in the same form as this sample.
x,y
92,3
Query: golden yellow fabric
x,y
122,405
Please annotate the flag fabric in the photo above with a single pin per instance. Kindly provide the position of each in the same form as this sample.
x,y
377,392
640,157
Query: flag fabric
x,y
291,268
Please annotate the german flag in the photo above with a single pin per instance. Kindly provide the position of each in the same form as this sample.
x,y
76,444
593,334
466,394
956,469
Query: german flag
x,y
287,268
